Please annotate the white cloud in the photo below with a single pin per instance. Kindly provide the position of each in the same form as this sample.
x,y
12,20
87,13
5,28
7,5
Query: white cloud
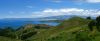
x,y
77,1
54,1
93,1
88,1
57,1
85,1
66,11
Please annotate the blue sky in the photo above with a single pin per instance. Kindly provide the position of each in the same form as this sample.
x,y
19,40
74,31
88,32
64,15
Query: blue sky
x,y
37,8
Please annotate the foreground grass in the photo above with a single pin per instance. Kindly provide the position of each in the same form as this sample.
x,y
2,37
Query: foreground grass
x,y
7,39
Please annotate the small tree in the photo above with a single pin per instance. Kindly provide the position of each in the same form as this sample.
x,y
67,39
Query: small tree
x,y
98,23
88,18
91,24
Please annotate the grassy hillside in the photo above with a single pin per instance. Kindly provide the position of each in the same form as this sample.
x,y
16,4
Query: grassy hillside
x,y
66,27
73,29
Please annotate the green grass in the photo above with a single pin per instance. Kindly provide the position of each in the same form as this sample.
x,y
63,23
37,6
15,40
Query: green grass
x,y
68,26
7,39
96,38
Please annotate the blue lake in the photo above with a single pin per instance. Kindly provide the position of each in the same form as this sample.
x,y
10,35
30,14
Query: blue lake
x,y
17,23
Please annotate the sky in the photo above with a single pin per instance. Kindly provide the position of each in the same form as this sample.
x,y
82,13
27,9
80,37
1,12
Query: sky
x,y
48,8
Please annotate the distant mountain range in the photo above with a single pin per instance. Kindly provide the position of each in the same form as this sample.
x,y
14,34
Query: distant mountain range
x,y
61,17
42,18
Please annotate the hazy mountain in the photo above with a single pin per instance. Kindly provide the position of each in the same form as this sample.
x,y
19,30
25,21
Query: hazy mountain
x,y
61,17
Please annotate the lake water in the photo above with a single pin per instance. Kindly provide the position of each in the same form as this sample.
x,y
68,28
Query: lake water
x,y
16,23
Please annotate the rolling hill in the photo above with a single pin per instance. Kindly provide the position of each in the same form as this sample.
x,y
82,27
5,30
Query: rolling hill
x,y
68,26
